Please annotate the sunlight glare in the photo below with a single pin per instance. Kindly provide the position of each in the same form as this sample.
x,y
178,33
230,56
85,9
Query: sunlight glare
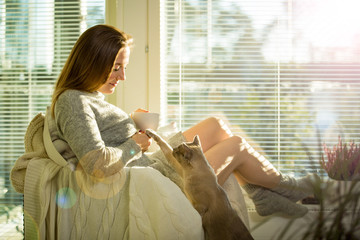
x,y
333,23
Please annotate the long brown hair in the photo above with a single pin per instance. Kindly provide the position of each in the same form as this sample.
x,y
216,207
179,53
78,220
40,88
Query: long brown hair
x,y
91,60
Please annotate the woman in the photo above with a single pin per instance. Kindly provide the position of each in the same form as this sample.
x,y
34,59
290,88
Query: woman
x,y
104,138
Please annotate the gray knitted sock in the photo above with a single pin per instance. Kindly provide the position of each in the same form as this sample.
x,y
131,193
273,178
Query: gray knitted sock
x,y
295,189
268,202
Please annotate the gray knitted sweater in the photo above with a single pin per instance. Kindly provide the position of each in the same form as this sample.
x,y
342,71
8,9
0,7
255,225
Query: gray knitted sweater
x,y
98,132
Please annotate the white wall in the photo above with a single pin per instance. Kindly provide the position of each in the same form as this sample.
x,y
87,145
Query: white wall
x,y
141,19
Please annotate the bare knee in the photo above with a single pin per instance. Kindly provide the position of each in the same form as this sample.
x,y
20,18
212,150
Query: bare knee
x,y
218,123
214,121
237,140
241,146
211,131
231,146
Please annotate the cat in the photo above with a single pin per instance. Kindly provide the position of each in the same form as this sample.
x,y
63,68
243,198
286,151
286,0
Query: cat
x,y
219,219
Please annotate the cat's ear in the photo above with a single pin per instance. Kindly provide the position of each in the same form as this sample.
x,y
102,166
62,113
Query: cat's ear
x,y
196,140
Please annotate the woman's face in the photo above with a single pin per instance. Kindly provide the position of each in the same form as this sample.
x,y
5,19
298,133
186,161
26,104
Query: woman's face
x,y
118,73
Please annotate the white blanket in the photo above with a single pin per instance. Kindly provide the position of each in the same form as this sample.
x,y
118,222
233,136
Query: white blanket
x,y
159,210
62,203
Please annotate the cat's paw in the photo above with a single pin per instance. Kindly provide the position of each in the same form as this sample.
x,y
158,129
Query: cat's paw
x,y
151,133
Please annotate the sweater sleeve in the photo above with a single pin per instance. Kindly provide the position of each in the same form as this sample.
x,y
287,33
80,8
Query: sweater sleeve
x,y
77,124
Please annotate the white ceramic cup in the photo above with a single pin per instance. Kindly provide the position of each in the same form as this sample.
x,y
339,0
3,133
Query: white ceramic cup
x,y
145,120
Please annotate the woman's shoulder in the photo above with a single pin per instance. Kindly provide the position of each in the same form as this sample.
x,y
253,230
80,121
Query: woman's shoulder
x,y
70,99
79,101
73,96
72,93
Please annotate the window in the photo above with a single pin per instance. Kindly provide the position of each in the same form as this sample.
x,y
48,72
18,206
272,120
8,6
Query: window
x,y
36,37
284,72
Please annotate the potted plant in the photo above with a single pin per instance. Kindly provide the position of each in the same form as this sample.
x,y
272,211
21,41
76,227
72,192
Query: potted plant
x,y
336,213
343,161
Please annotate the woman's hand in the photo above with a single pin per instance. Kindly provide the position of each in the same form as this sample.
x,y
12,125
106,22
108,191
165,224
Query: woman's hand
x,y
142,140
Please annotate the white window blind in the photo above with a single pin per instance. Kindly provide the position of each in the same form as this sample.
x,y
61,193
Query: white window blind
x,y
284,72
36,37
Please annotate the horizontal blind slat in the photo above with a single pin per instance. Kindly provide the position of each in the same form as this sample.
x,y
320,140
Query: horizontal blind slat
x,y
242,60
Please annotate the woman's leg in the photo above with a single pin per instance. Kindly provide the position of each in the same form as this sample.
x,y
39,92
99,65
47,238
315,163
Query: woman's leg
x,y
232,154
236,155
228,154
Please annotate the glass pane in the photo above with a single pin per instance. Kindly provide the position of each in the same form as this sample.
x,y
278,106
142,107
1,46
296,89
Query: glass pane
x,y
36,37
285,73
